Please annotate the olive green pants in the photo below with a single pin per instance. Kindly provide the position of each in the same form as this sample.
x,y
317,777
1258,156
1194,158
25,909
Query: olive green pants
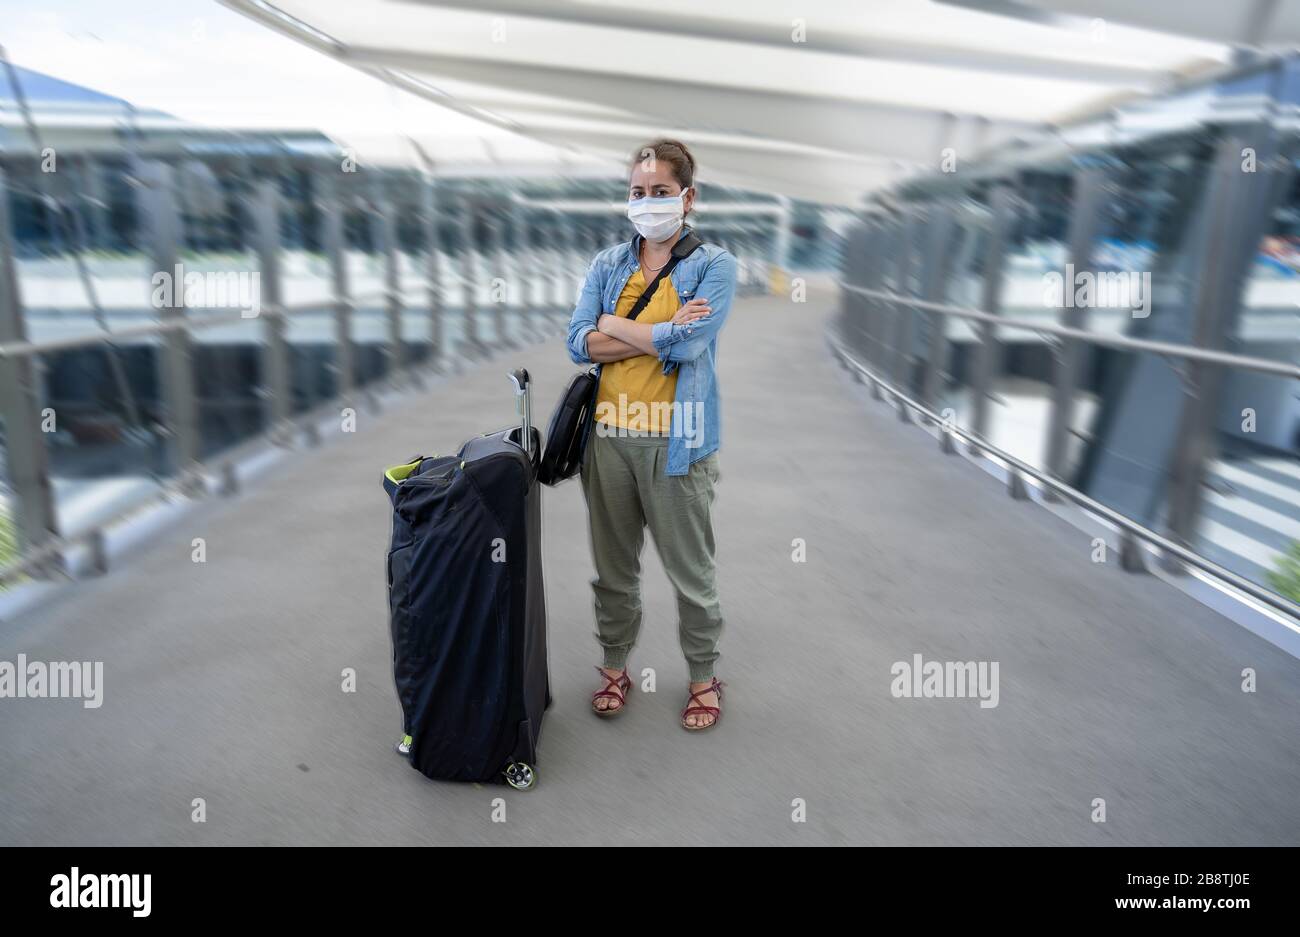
x,y
627,491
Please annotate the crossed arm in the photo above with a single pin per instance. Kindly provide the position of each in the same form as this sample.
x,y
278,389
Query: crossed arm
x,y
595,337
615,338
602,348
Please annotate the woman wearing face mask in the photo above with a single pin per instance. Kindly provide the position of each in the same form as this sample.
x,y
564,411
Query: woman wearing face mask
x,y
651,457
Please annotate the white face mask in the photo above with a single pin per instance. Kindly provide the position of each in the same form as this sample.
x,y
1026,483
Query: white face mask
x,y
656,219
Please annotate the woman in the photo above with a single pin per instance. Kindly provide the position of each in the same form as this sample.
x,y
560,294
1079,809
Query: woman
x,y
651,457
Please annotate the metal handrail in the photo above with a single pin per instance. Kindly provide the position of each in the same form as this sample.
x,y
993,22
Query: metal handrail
x,y
51,553
211,317
1125,342
208,319
24,349
1078,498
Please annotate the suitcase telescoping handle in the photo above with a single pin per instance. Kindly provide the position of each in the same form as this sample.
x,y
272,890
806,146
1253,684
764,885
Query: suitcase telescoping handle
x,y
523,404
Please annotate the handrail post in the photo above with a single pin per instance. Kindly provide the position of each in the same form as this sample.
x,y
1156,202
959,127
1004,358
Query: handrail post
x,y
866,261
903,314
387,228
852,303
987,356
520,233
469,273
781,243
432,273
934,281
26,451
496,231
1085,221
560,240
266,233
333,215
162,227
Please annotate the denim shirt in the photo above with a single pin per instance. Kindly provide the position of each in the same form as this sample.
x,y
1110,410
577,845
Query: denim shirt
x,y
690,349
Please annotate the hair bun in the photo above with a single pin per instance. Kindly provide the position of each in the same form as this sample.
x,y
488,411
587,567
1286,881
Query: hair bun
x,y
673,152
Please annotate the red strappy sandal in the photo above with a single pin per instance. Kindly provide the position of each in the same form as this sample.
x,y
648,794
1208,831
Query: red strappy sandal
x,y
615,689
696,708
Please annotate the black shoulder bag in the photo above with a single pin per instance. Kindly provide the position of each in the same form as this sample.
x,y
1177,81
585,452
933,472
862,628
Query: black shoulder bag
x,y
566,437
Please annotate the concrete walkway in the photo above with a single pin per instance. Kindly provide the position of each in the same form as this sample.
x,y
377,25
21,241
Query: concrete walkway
x,y
222,679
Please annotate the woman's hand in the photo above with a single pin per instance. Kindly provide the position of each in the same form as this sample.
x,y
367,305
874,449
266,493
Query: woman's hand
x,y
697,308
602,323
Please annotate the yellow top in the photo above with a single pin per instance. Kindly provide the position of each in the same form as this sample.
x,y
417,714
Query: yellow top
x,y
647,392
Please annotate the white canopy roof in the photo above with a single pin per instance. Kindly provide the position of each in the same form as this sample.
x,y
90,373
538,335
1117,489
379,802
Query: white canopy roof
x,y
816,99
1242,22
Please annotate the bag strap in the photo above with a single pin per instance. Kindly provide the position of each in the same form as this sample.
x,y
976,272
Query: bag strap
x,y
685,246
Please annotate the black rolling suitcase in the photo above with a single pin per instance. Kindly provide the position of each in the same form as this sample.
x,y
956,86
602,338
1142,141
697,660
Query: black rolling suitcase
x,y
467,605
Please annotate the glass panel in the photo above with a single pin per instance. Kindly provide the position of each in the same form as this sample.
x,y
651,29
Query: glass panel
x,y
312,337
476,324
1250,518
229,383
856,264
1021,389
502,291
417,329
880,254
61,285
363,239
82,272
108,450
969,248
908,324
222,279
1148,266
306,282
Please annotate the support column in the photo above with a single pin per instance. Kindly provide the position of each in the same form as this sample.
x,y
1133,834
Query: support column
x,y
469,275
1241,209
563,235
852,303
334,241
900,370
871,277
393,350
937,264
1085,223
988,357
521,266
161,225
432,273
90,176
500,268
275,350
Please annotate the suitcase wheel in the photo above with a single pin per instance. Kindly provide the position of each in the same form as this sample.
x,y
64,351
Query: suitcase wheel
x,y
520,776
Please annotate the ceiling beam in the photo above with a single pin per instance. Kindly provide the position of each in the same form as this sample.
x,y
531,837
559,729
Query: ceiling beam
x,y
833,178
827,177
834,123
1245,22
778,33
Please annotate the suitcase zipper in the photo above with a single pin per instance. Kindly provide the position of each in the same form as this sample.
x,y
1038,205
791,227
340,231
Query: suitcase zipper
x,y
428,480
422,481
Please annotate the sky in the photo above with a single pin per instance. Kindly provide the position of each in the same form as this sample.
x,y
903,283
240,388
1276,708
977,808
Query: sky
x,y
204,63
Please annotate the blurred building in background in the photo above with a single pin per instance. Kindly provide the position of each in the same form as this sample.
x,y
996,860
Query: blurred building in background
x,y
1116,303
101,196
